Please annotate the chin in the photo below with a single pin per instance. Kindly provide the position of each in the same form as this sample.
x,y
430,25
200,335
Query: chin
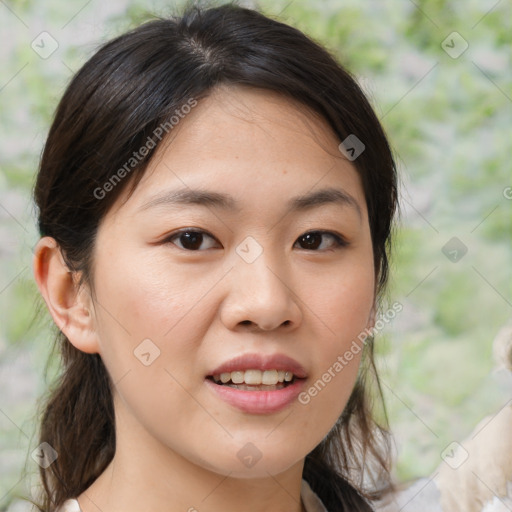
x,y
250,462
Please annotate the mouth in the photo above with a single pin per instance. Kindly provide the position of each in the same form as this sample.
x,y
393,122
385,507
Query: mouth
x,y
255,380
258,383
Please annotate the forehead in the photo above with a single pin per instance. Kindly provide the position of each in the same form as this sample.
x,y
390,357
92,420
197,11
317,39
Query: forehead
x,y
243,119
252,144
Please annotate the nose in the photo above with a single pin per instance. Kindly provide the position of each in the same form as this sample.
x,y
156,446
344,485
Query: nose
x,y
261,297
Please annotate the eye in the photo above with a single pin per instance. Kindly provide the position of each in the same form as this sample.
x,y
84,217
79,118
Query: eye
x,y
313,240
193,239
190,239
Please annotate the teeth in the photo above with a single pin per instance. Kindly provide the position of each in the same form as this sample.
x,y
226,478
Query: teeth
x,y
269,377
237,377
254,377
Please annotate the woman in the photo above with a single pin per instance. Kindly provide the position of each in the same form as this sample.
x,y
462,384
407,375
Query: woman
x,y
215,202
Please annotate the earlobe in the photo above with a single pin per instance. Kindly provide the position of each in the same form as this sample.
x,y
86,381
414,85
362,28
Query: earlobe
x,y
372,317
71,308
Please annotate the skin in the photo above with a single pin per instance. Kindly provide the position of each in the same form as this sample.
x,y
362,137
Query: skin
x,y
177,442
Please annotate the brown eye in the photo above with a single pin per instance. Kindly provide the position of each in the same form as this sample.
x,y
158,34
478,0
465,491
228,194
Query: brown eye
x,y
314,239
190,240
193,240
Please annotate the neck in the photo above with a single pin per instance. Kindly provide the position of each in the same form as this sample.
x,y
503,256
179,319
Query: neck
x,y
145,475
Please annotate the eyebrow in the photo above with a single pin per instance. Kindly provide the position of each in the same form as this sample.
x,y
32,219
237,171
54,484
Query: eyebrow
x,y
201,197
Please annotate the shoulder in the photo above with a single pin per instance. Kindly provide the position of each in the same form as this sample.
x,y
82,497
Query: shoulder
x,y
69,506
311,501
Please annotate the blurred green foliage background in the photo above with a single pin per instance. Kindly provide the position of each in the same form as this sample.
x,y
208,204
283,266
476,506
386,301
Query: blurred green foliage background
x,y
448,119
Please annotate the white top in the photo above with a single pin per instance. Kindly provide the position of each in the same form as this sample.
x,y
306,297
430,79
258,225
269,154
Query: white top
x,y
311,501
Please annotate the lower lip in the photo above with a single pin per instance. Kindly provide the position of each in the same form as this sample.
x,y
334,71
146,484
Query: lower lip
x,y
258,402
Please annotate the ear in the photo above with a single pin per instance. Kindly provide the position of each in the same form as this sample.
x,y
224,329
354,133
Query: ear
x,y
372,317
71,309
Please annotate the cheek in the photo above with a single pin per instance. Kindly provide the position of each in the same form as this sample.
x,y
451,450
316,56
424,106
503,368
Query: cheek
x,y
143,297
149,342
144,315
343,300
343,306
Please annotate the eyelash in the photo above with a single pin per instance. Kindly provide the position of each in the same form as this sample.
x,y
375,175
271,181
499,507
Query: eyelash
x,y
339,240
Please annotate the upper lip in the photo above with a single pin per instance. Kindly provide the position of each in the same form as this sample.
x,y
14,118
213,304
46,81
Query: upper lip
x,y
261,362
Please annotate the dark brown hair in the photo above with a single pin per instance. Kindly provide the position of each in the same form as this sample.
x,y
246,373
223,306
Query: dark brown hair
x,y
128,88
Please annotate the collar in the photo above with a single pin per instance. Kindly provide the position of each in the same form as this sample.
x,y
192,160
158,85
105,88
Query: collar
x,y
310,500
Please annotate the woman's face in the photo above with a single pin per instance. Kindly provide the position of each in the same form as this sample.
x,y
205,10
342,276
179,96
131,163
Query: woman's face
x,y
184,287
